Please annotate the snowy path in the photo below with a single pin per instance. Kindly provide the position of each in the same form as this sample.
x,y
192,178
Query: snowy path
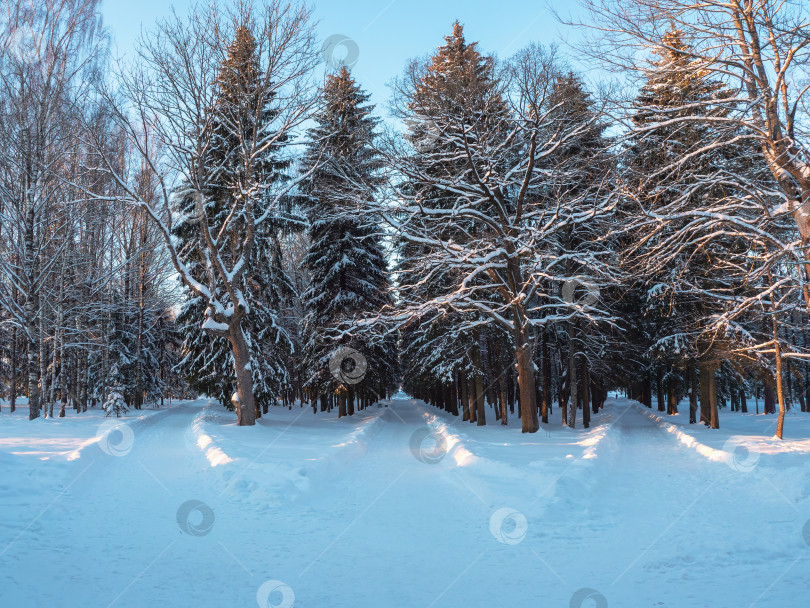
x,y
668,526
359,513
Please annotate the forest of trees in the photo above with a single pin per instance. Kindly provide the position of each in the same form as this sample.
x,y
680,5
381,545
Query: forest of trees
x,y
221,216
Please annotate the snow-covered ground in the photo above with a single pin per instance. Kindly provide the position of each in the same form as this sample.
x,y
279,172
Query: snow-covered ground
x,y
402,506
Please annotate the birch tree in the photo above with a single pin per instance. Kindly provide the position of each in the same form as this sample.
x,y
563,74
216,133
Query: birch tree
x,y
45,50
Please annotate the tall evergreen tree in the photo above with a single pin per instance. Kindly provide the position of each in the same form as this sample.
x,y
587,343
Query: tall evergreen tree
x,y
458,80
349,273
208,360
686,266
579,169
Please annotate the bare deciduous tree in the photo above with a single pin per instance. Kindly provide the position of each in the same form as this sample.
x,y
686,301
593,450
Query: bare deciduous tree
x,y
45,49
760,50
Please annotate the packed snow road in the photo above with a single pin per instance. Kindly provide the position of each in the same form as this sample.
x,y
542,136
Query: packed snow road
x,y
400,506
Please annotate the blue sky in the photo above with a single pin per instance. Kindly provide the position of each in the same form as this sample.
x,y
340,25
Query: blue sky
x,y
387,32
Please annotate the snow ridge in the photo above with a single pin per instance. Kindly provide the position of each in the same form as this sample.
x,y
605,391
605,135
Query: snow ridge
x,y
273,463
684,438
456,448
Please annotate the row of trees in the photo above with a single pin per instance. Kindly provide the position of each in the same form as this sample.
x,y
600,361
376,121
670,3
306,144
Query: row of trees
x,y
669,256
184,163
83,288
518,242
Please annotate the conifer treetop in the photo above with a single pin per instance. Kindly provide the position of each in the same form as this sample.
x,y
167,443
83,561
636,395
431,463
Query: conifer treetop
x,y
240,69
456,73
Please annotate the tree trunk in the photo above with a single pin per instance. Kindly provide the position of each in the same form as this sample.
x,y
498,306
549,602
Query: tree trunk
x,y
12,394
525,368
673,398
769,398
245,406
646,392
342,404
465,404
659,388
480,405
807,390
586,394
780,423
573,397
58,366
32,295
693,393
43,366
451,388
471,402
140,371
546,380
33,365
706,379
479,386
714,420
502,399
511,389
33,358
85,379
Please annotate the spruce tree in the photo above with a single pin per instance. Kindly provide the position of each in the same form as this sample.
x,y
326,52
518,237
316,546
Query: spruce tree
x,y
673,171
659,175
577,170
349,273
458,79
120,341
208,360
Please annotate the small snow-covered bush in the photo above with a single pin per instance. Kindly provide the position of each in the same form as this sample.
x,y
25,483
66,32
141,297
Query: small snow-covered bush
x,y
115,403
